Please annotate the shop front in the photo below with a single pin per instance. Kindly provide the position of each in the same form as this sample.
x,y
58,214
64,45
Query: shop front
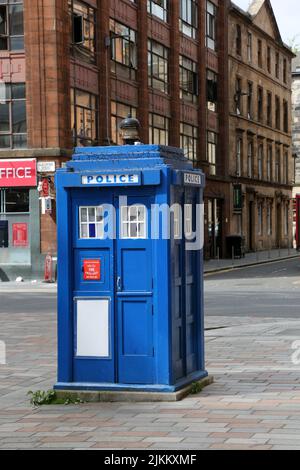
x,y
19,218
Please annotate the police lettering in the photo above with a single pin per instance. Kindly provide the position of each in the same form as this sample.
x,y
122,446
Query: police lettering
x,y
110,179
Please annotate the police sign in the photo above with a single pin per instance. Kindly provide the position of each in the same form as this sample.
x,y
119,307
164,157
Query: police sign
x,y
118,179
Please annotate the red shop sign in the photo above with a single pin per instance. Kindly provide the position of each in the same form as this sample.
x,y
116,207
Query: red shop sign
x,y
20,235
92,270
19,172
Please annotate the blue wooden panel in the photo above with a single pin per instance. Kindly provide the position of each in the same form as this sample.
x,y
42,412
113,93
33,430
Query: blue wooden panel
x,y
105,282
136,353
136,272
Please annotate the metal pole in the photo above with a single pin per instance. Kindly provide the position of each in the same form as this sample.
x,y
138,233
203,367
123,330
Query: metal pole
x,y
233,256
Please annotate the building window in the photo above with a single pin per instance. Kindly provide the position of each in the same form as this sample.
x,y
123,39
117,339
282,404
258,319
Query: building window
x,y
188,80
189,141
91,222
277,112
269,220
212,90
285,71
188,20
260,220
286,220
285,116
158,66
269,109
211,25
250,159
123,50
239,150
249,47
249,100
260,104
13,125
259,53
269,60
277,65
11,25
238,40
84,118
260,161
286,167
119,111
83,29
238,96
158,129
269,162
158,8
212,139
277,166
14,201
14,226
133,222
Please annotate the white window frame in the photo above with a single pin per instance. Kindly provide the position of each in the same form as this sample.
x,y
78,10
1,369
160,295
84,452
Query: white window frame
x,y
99,225
127,223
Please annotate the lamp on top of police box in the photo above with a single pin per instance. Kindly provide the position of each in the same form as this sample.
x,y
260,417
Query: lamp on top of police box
x,y
129,128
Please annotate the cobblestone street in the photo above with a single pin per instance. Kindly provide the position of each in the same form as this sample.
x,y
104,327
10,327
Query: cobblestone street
x,y
254,402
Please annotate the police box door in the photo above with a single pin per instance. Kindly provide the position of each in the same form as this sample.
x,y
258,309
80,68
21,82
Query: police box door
x,y
134,291
113,290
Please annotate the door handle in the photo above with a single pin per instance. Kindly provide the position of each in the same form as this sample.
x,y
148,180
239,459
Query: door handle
x,y
119,284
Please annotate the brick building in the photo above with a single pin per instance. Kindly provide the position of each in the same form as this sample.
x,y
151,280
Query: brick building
x,y
71,70
296,118
261,165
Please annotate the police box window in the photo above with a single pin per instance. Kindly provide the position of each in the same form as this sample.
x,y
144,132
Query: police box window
x,y
11,25
13,127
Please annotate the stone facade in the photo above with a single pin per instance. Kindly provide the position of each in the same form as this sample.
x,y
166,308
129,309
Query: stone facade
x,y
261,165
296,117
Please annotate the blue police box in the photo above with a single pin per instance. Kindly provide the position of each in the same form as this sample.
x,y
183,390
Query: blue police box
x,y
130,270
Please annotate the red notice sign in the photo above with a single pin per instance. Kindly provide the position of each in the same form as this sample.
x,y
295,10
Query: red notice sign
x,y
92,270
20,235
18,172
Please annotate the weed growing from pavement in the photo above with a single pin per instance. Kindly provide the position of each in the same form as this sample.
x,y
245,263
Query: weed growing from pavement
x,y
40,398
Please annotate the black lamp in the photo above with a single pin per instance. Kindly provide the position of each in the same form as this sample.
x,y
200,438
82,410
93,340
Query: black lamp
x,y
129,128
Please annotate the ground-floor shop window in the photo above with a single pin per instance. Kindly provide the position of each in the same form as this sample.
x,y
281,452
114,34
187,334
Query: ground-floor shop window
x,y
14,226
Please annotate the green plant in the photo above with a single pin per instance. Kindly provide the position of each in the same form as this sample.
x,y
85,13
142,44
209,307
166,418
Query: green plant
x,y
196,388
40,397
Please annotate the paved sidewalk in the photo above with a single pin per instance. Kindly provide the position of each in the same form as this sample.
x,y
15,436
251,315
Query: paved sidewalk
x,y
251,259
254,403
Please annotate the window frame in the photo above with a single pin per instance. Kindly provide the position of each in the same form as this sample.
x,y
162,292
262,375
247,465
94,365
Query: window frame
x,y
188,18
7,36
9,101
156,61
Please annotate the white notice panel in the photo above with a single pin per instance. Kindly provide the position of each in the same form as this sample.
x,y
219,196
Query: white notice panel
x,y
92,327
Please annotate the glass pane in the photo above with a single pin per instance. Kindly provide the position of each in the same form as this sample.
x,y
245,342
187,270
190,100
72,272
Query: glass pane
x,y
84,231
92,230
19,116
19,141
134,230
4,117
100,231
92,214
18,91
99,214
16,20
83,214
17,200
17,43
4,141
4,91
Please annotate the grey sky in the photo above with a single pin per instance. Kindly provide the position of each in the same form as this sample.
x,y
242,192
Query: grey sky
x,y
287,13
